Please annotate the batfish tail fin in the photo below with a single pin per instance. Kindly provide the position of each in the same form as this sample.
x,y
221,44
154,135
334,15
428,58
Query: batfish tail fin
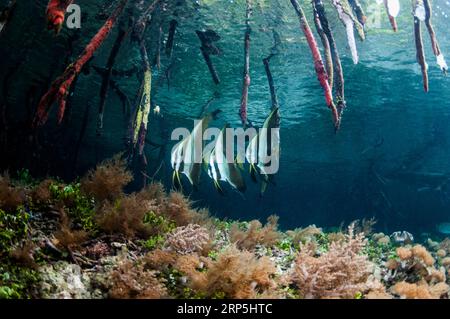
x,y
253,173
176,181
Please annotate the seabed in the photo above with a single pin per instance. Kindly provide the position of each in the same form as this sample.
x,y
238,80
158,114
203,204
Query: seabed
x,y
89,239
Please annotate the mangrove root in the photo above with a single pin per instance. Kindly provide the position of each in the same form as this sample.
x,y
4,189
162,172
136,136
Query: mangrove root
x,y
325,43
420,52
106,76
350,22
171,38
141,24
56,10
61,86
338,73
6,13
158,49
318,63
273,93
434,42
143,110
392,9
246,81
208,48
358,10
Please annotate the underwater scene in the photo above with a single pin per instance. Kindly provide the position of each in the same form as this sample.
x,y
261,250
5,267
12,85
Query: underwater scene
x,y
224,149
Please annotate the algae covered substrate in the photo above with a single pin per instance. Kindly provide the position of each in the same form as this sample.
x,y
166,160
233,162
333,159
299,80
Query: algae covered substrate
x,y
89,239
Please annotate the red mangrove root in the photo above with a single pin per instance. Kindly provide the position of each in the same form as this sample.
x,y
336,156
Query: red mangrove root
x,y
326,46
59,89
56,10
392,9
319,11
318,63
246,81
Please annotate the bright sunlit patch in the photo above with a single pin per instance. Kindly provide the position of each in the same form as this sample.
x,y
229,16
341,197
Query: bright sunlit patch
x,y
393,7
